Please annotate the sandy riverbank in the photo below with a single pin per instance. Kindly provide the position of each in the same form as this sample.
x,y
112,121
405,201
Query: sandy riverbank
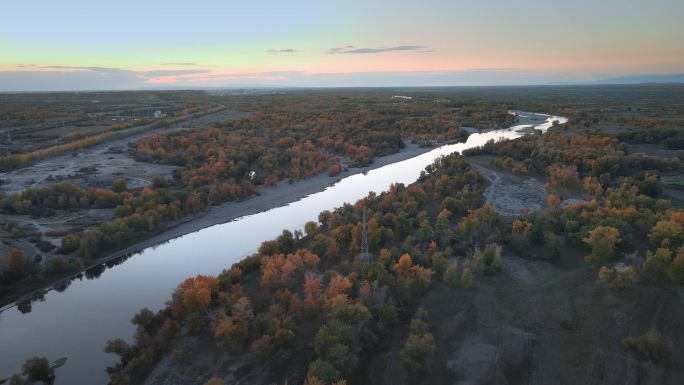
x,y
270,197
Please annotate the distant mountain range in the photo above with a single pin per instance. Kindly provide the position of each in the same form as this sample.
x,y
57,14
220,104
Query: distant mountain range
x,y
646,78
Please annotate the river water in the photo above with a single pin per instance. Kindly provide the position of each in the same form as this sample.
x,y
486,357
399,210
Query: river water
x,y
77,322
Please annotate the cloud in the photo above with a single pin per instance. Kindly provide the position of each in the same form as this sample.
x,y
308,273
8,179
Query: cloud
x,y
60,78
66,78
352,49
281,51
87,69
161,73
178,64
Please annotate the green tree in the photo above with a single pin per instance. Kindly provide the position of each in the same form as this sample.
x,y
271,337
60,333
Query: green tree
x,y
324,371
70,243
118,346
38,369
677,269
420,345
488,260
311,229
553,243
651,345
443,226
467,276
481,226
119,185
451,275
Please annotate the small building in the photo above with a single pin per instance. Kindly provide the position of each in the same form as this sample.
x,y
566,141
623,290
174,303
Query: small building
x,y
158,114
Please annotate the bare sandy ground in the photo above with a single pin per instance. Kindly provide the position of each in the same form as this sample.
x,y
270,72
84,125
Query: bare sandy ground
x,y
98,165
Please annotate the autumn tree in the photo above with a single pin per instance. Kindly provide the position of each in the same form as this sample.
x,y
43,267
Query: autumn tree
x,y
312,288
17,263
668,233
562,177
192,298
214,381
602,240
521,234
480,226
339,284
262,347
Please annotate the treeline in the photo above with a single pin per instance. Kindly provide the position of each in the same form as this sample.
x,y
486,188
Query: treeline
x,y
319,286
138,214
630,230
596,155
296,136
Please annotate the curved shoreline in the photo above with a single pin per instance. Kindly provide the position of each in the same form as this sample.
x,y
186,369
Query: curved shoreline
x,y
96,306
271,197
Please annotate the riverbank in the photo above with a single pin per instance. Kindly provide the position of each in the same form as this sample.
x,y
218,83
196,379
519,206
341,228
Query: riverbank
x,y
273,196
109,293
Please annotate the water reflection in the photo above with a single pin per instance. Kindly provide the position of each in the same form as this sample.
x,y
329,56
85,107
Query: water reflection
x,y
77,320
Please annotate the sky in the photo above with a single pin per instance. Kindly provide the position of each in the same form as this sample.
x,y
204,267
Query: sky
x,y
49,45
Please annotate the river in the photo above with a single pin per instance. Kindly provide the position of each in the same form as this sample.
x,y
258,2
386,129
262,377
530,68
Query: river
x,y
77,322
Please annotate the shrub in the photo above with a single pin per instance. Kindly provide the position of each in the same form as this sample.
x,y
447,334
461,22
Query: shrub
x,y
16,262
60,264
213,381
467,277
16,380
553,243
119,185
324,371
451,275
70,243
521,235
385,313
285,337
651,345
262,347
38,369
489,259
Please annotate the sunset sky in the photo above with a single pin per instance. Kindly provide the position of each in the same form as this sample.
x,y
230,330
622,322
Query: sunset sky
x,y
124,44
